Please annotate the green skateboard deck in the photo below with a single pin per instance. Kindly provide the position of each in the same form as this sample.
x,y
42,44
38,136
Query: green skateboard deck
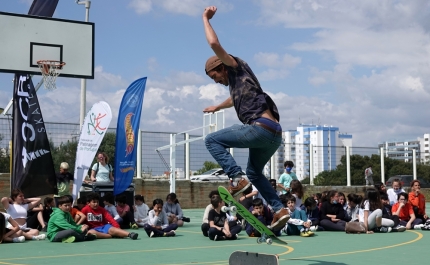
x,y
252,258
267,235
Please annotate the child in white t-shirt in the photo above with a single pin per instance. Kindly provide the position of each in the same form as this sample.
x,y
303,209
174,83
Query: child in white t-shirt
x,y
140,210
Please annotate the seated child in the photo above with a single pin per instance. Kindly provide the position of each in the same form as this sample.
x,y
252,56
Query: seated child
x,y
205,224
77,215
80,203
388,214
62,227
174,210
45,214
100,222
140,210
298,224
109,202
158,225
263,214
403,209
123,210
353,207
312,213
9,230
220,228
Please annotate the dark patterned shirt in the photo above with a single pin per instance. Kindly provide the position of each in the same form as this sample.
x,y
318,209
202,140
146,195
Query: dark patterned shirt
x,y
249,100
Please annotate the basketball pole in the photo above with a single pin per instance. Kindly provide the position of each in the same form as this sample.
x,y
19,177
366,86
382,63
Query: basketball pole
x,y
84,81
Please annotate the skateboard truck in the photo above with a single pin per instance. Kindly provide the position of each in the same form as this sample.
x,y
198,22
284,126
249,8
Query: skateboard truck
x,y
230,208
265,238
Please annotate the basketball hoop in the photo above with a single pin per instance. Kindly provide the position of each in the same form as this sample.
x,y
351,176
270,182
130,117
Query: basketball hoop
x,y
50,70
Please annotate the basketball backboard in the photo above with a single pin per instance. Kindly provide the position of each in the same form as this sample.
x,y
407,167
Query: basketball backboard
x,y
27,39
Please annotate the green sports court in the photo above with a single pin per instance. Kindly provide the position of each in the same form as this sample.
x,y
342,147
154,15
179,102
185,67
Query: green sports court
x,y
191,247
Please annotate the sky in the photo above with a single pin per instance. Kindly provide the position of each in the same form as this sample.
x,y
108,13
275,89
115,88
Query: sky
x,y
362,66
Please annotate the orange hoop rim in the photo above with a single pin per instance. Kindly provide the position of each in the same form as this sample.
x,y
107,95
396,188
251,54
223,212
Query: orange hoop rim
x,y
52,63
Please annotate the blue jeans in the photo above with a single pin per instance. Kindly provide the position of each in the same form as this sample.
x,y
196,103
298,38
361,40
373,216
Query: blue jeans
x,y
262,145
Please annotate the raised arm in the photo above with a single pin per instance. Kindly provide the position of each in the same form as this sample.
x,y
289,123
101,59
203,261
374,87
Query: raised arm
x,y
212,38
33,202
5,202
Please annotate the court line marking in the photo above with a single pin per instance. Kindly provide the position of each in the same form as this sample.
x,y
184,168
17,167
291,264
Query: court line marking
x,y
420,236
124,252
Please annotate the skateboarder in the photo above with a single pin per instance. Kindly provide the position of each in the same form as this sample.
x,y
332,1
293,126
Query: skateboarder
x,y
260,132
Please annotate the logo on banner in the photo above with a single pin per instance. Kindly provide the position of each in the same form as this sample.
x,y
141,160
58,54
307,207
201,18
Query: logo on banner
x,y
129,134
94,125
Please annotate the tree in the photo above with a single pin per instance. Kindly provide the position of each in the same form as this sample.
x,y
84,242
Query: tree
x,y
4,160
207,165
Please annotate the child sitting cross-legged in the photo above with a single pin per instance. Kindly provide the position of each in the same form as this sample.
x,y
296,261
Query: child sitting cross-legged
x,y
158,224
62,227
263,214
100,222
298,224
140,210
127,216
219,228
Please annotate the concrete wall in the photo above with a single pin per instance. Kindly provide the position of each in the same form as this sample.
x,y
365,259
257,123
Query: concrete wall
x,y
193,194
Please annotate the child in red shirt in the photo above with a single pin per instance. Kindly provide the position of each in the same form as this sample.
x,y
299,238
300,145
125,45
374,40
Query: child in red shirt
x,y
100,222
404,210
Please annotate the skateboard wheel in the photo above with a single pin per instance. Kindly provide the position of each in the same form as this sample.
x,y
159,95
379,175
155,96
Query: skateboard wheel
x,y
259,240
269,241
233,208
224,209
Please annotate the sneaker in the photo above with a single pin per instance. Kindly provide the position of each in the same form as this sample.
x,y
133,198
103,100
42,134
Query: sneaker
x,y
219,238
39,237
152,234
134,226
382,229
238,184
304,234
313,228
280,219
399,228
310,233
90,237
426,227
19,239
418,226
133,235
171,233
186,219
69,239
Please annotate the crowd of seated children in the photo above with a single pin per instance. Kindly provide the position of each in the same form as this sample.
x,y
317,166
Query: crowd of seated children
x,y
140,210
158,223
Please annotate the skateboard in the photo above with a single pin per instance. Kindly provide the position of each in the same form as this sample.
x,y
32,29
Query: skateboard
x,y
252,258
267,235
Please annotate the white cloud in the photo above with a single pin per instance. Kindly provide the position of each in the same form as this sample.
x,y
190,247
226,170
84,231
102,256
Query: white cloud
x,y
214,93
272,74
184,7
275,60
141,6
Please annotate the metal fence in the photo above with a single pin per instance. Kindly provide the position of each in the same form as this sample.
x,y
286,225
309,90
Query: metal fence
x,y
323,157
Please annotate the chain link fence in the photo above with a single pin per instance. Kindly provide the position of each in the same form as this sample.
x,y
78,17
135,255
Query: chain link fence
x,y
323,158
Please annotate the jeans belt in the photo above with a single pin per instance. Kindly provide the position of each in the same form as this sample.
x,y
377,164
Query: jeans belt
x,y
270,129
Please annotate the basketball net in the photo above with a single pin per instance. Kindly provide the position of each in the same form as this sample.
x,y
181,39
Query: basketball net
x,y
50,70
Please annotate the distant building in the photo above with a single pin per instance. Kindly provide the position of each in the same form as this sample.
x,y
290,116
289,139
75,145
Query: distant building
x,y
403,149
328,147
